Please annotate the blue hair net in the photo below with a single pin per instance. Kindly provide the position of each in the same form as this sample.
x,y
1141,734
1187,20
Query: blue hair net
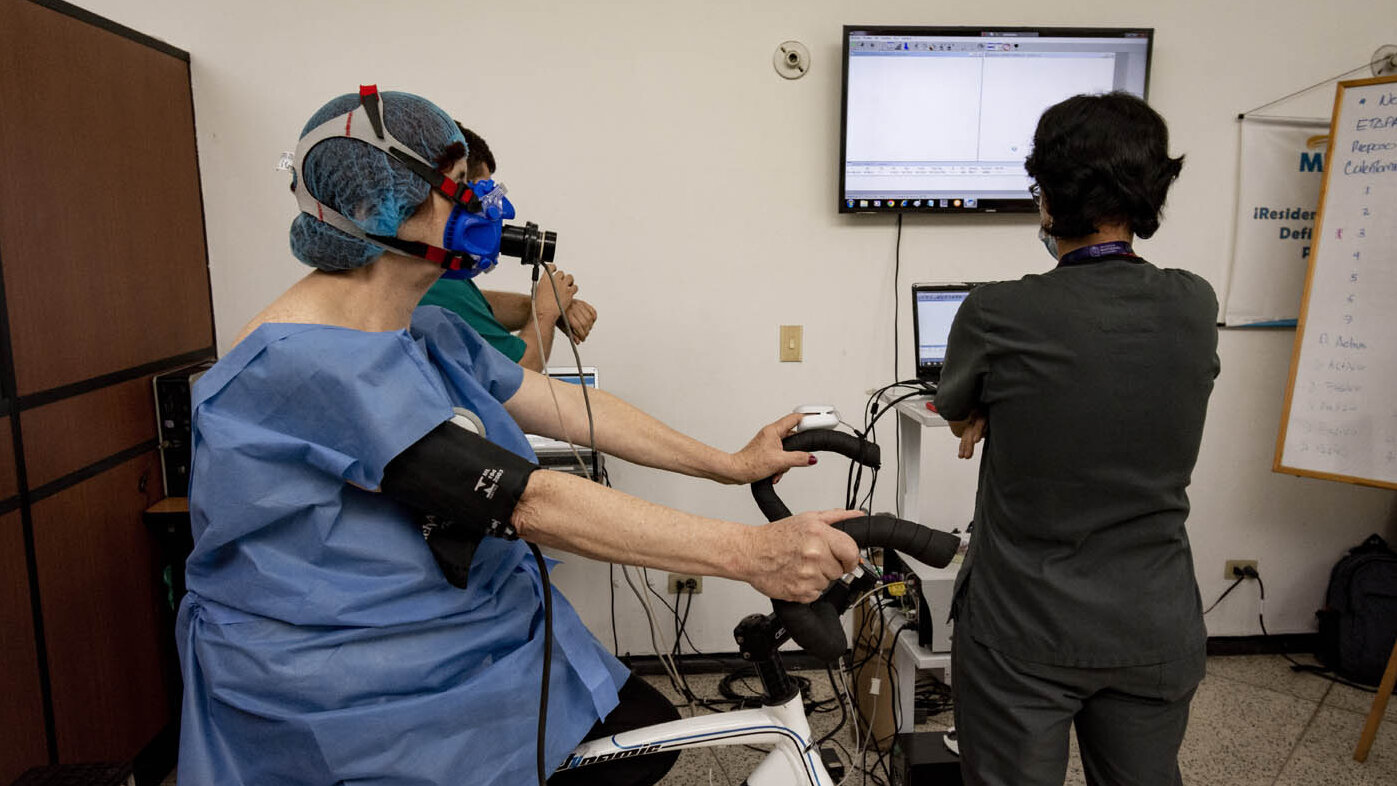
x,y
363,183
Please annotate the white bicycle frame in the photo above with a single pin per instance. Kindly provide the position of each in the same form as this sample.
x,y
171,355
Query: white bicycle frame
x,y
793,761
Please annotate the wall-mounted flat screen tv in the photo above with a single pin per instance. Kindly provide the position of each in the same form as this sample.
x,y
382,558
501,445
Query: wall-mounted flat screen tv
x,y
940,119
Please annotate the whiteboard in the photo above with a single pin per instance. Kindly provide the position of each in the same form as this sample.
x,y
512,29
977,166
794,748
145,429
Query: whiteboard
x,y
1340,416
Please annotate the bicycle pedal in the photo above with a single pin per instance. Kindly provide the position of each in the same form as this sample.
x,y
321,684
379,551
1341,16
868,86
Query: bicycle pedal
x,y
833,765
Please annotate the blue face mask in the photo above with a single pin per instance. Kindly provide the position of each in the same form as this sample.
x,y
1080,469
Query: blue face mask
x,y
1049,242
478,234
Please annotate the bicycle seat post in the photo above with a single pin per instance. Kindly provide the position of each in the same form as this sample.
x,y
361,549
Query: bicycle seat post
x,y
758,638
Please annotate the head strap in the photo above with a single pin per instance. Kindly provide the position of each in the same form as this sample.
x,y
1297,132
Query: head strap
x,y
365,123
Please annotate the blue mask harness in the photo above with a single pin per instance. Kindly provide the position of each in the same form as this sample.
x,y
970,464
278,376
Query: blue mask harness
x,y
471,243
478,234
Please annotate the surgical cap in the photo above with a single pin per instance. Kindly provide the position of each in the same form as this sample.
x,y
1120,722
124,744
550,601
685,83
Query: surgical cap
x,y
363,183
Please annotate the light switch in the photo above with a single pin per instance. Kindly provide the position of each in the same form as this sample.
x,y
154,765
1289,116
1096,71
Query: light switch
x,y
791,347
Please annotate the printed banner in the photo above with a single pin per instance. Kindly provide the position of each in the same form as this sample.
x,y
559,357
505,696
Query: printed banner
x,y
1282,166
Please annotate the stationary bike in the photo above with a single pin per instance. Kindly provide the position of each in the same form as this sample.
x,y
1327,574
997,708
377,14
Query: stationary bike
x,y
781,721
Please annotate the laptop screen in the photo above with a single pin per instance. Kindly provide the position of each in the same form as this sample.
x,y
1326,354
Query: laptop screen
x,y
588,375
934,308
555,452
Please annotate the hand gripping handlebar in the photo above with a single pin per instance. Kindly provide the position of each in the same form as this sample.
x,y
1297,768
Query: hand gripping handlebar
x,y
815,626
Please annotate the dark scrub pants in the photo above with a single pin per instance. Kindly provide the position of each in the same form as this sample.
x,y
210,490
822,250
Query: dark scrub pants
x,y
1013,717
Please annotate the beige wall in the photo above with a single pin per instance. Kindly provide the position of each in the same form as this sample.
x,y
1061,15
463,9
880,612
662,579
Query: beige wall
x,y
693,191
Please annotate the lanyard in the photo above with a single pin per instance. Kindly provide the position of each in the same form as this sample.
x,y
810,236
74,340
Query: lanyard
x,y
1096,252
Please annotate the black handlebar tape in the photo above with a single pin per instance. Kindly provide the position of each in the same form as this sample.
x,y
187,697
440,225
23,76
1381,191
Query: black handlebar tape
x,y
815,626
847,445
924,544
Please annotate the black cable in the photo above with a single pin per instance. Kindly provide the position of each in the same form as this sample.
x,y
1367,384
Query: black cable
x,y
547,661
931,695
1224,594
682,687
872,658
753,697
897,304
873,409
860,642
870,637
873,437
897,298
1295,665
843,711
893,701
849,484
645,576
611,582
684,623
676,651
893,404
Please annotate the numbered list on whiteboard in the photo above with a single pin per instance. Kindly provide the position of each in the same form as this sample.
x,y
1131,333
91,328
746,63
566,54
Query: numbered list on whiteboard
x,y
1343,417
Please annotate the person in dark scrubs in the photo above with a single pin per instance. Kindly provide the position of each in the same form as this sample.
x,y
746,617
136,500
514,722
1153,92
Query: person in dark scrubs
x,y
1077,604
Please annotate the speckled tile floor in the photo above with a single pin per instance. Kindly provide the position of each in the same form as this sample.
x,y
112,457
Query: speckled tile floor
x,y
1253,721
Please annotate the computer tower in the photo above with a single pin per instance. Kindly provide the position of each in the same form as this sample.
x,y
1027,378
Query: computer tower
x,y
922,759
173,413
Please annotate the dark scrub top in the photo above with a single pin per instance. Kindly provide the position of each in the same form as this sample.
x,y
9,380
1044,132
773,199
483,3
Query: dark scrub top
x,y
464,298
1095,380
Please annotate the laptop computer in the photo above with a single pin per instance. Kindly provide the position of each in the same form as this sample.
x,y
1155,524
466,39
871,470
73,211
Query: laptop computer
x,y
934,307
555,453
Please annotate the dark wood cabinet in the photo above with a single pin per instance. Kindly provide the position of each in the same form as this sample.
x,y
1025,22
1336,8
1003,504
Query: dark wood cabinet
x,y
21,710
103,283
101,613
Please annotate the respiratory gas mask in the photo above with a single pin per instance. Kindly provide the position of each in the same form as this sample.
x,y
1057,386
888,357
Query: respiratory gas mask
x,y
478,233
475,234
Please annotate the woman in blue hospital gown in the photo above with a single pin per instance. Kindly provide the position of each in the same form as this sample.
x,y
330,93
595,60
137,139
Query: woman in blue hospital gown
x,y
320,641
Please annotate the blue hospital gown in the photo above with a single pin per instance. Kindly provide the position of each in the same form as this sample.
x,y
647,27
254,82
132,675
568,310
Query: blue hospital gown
x,y
319,641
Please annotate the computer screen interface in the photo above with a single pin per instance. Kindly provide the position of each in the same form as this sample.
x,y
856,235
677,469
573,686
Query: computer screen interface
x,y
940,119
935,310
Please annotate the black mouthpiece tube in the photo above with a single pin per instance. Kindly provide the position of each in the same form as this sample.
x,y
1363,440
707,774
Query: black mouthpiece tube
x,y
528,243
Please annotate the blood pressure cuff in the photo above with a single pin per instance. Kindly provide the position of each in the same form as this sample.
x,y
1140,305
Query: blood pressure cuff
x,y
463,487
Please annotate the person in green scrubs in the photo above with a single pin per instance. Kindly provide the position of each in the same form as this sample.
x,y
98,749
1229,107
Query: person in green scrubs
x,y
505,319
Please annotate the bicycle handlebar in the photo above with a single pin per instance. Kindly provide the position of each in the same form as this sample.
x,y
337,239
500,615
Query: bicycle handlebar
x,y
847,445
815,626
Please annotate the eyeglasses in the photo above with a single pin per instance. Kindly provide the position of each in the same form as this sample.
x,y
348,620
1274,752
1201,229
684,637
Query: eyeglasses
x,y
1035,191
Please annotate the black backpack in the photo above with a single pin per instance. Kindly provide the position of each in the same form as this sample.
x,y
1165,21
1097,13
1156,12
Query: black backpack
x,y
1358,623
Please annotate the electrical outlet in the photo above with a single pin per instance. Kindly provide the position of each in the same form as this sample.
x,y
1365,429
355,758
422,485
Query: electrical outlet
x,y
680,583
1233,569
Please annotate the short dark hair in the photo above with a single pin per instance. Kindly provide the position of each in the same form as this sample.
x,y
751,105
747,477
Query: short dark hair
x,y
1102,159
477,151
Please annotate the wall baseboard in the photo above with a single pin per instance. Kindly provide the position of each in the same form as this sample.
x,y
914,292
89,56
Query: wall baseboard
x,y
724,662
1263,645
716,663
